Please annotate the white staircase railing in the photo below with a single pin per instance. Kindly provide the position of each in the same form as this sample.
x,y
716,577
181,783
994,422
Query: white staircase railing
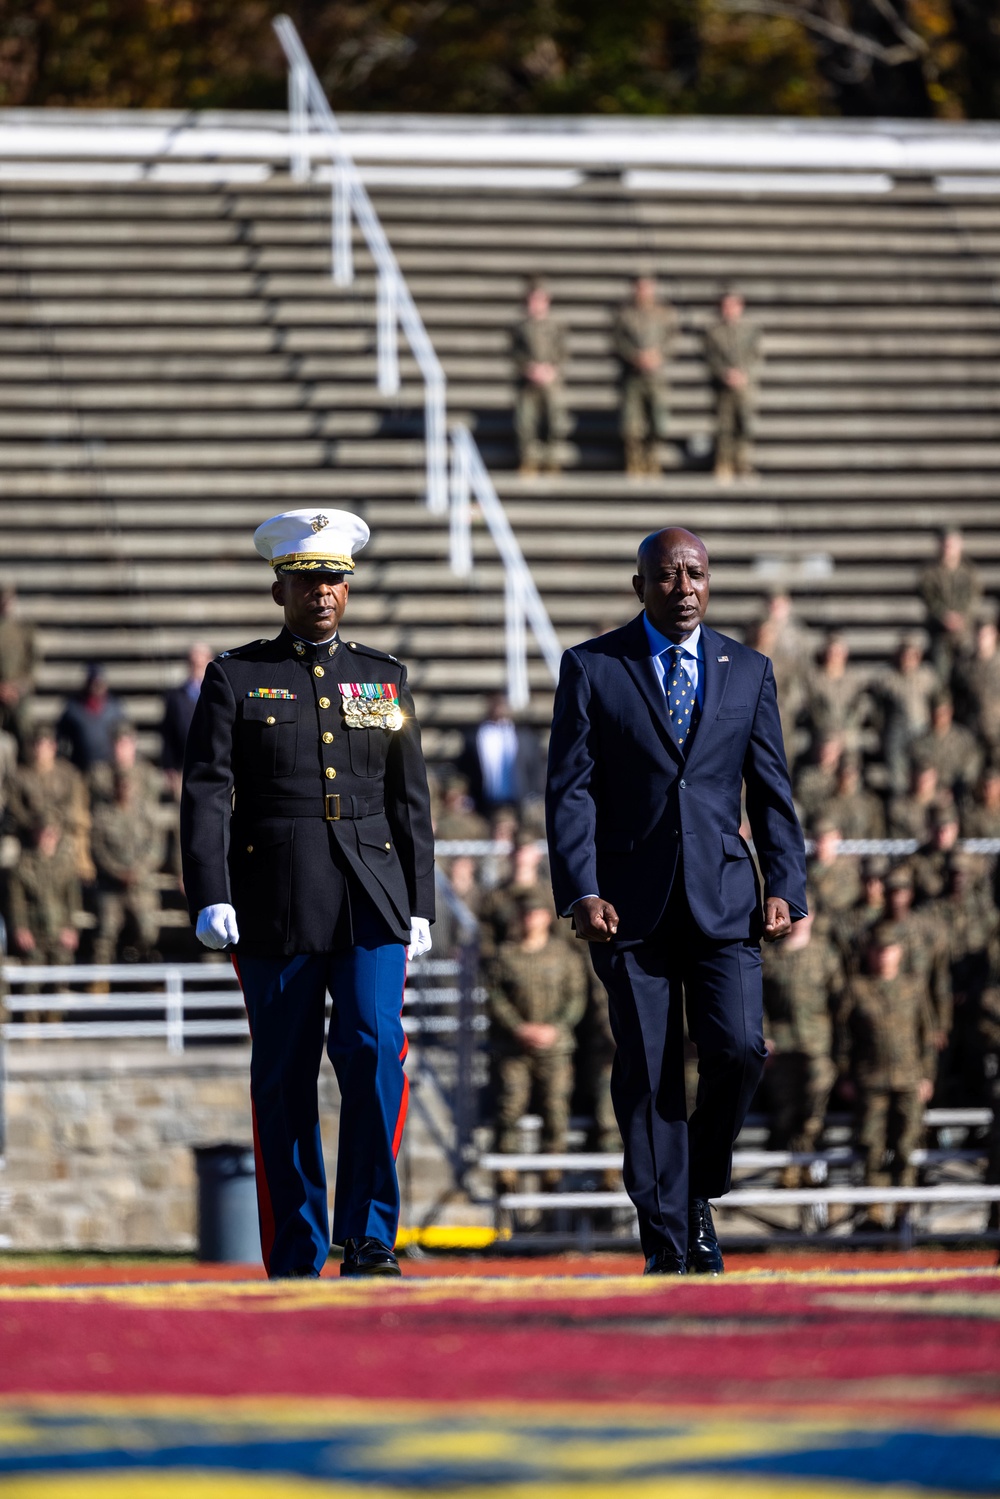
x,y
309,111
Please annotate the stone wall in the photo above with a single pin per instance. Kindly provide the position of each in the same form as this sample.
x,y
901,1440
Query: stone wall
x,y
100,1142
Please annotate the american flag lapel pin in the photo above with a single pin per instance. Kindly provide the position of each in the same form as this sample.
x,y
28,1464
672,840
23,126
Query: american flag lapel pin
x,y
722,658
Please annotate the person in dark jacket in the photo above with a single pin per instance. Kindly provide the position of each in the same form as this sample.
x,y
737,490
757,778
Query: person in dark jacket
x,y
307,848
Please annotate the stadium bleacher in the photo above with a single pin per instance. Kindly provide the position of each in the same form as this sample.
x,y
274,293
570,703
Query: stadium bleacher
x,y
177,362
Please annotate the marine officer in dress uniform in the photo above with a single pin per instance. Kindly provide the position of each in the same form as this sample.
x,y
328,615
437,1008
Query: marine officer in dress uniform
x,y
307,849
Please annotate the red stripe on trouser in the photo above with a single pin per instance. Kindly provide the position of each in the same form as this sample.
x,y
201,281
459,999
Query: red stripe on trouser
x,y
264,1208
404,1102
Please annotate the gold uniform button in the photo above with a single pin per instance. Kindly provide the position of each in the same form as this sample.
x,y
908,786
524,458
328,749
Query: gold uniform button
x,y
324,702
249,848
331,774
328,737
269,720
388,845
319,671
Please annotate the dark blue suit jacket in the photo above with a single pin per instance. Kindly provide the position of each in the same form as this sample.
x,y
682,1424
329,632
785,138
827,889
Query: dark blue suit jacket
x,y
623,804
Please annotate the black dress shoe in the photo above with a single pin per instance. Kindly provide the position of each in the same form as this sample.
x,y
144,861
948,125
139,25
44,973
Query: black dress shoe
x,y
665,1262
704,1254
368,1257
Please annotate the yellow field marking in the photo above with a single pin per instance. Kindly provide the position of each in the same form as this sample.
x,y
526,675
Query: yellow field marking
x,y
195,1484
291,1295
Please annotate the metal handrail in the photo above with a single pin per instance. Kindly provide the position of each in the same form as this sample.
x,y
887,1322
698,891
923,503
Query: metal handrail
x,y
523,607
396,308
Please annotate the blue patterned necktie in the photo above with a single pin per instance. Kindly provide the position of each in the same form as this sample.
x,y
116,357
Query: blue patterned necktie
x,y
682,700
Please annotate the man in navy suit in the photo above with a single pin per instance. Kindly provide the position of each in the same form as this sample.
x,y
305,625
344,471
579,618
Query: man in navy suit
x,y
656,729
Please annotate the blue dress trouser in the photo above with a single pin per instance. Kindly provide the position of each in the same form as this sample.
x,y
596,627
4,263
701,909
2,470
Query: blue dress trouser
x,y
285,1000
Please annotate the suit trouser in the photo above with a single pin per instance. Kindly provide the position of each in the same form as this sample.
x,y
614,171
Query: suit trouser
x,y
285,999
669,1158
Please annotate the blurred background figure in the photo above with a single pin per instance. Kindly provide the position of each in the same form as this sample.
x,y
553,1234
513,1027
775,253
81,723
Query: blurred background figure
x,y
537,995
502,762
951,589
902,695
734,353
85,730
128,850
178,709
644,332
539,351
18,664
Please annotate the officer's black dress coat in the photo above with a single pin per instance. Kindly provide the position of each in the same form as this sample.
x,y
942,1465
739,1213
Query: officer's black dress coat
x,y
286,810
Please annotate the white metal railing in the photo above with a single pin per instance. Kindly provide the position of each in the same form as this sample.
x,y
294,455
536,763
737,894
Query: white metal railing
x,y
308,108
169,1002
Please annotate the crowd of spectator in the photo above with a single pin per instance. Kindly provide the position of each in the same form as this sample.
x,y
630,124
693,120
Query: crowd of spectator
x,y
88,823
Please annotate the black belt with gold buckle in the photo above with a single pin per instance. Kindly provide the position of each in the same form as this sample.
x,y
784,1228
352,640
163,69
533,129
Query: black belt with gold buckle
x,y
333,807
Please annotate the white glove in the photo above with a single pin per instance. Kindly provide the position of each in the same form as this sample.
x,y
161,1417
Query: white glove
x,y
420,937
216,927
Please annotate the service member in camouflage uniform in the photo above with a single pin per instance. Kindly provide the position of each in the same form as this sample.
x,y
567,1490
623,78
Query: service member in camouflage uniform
x,y
967,925
925,954
910,814
50,789
902,696
128,851
125,760
834,879
539,351
836,702
854,927
950,748
803,983
734,352
887,1049
976,685
644,334
816,781
537,994
930,863
857,812
951,590
44,900
18,663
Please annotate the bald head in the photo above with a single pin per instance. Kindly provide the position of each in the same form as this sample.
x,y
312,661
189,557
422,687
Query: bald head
x,y
671,581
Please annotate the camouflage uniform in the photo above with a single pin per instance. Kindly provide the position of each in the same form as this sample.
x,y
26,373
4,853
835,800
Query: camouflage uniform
x,y
814,787
887,1040
644,398
904,701
945,590
955,755
547,987
57,796
128,850
836,705
17,667
858,814
44,899
729,346
147,780
909,816
802,989
835,886
967,931
977,696
595,1062
539,340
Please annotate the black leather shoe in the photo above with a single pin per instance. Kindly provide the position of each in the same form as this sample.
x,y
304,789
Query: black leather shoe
x,y
369,1257
665,1262
704,1254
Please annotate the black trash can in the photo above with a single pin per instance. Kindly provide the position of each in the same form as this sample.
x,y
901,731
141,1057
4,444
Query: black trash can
x,y
228,1231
